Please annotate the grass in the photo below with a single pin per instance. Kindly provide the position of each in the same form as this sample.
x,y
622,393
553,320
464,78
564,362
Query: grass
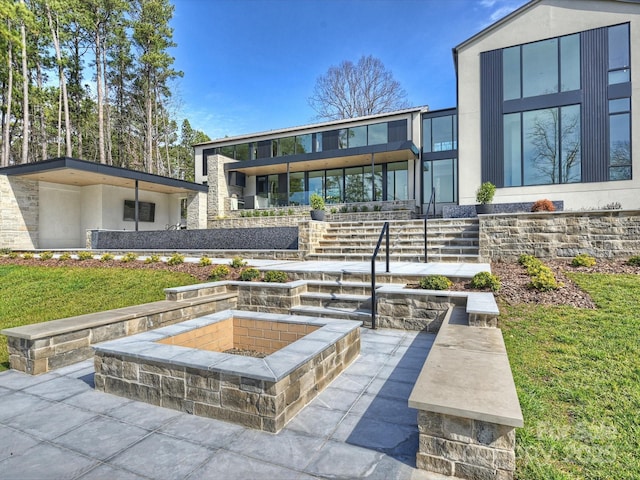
x,y
37,294
577,373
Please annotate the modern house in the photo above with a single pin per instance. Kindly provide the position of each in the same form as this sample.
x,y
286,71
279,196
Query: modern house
x,y
546,102
52,204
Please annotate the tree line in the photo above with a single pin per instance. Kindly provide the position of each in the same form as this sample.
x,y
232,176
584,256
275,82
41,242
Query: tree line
x,y
52,51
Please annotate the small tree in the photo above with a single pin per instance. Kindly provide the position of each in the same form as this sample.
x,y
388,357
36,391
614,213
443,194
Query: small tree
x,y
354,90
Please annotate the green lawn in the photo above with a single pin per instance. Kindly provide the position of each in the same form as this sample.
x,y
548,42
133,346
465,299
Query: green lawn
x,y
577,373
37,294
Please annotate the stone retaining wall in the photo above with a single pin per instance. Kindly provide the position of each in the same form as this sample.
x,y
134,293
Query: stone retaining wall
x,y
602,234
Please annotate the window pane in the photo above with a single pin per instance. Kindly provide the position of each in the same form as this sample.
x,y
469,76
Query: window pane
x,y
287,146
368,184
540,68
454,119
334,186
242,151
228,151
303,143
443,179
378,134
442,134
511,73
397,181
620,173
571,144
297,194
358,137
619,76
618,47
620,105
354,184
512,150
619,139
540,146
318,142
426,135
316,182
426,180
570,63
343,138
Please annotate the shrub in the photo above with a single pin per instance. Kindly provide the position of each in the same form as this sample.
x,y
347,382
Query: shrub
x,y
64,257
344,209
485,193
583,260
354,208
529,261
46,255
316,201
543,205
5,251
106,257
265,213
152,259
281,213
435,282
249,274
85,255
486,280
219,272
129,257
377,208
205,261
256,213
364,208
544,280
13,255
237,262
634,261
175,259
290,211
27,255
613,206
334,210
275,276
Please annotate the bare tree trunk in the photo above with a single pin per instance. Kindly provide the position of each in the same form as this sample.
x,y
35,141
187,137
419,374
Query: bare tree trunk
x,y
25,95
43,128
148,154
98,48
63,83
108,145
59,120
6,146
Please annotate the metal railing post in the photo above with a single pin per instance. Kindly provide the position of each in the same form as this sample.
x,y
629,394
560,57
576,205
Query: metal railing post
x,y
385,230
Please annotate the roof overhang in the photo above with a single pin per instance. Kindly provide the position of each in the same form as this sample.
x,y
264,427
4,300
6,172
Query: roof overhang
x,y
71,171
349,157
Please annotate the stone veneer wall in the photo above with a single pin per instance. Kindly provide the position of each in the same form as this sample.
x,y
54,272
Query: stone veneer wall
x,y
309,235
465,447
260,404
602,234
196,210
19,213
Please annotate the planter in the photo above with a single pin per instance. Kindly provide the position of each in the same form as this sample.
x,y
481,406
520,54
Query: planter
x,y
484,208
317,215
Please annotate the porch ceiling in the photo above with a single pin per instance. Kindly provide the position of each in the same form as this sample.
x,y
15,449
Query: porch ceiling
x,y
80,173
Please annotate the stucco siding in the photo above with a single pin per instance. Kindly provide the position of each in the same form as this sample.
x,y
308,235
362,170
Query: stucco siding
x,y
543,20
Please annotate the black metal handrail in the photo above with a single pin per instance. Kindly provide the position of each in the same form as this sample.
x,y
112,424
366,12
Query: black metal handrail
x,y
385,229
432,200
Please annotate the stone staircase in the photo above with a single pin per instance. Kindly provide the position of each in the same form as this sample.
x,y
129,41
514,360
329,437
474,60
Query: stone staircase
x,y
448,240
344,300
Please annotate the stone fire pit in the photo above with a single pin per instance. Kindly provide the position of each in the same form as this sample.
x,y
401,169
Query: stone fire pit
x,y
183,366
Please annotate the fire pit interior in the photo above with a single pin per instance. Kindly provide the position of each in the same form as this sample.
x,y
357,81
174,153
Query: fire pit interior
x,y
184,366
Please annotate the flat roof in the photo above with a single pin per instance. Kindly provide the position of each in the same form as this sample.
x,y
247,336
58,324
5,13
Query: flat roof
x,y
72,171
237,138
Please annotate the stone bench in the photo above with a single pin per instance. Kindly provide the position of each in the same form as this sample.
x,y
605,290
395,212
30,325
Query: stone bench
x,y
41,347
466,399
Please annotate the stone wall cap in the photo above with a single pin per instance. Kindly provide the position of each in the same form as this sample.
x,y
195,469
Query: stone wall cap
x,y
483,303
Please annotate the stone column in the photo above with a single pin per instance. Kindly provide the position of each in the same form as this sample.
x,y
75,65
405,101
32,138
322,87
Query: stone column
x,y
19,213
196,211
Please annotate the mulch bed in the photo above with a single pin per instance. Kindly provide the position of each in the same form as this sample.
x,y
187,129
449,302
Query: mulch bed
x,y
513,277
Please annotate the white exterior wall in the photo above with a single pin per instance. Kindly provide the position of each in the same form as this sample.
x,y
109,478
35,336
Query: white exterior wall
x,y
67,212
546,19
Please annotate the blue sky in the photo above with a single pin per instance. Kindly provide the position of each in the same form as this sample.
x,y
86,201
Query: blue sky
x,y
250,65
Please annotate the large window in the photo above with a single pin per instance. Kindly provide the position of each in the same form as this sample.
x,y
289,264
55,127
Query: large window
x,y
441,175
439,134
146,211
559,121
397,181
541,68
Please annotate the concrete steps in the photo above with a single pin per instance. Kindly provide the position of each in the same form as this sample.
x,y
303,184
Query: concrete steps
x,y
454,240
344,300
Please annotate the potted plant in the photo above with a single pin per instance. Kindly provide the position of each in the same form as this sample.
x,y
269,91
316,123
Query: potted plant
x,y
484,197
317,207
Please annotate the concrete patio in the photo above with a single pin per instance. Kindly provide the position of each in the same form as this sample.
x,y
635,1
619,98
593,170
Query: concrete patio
x,y
56,426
